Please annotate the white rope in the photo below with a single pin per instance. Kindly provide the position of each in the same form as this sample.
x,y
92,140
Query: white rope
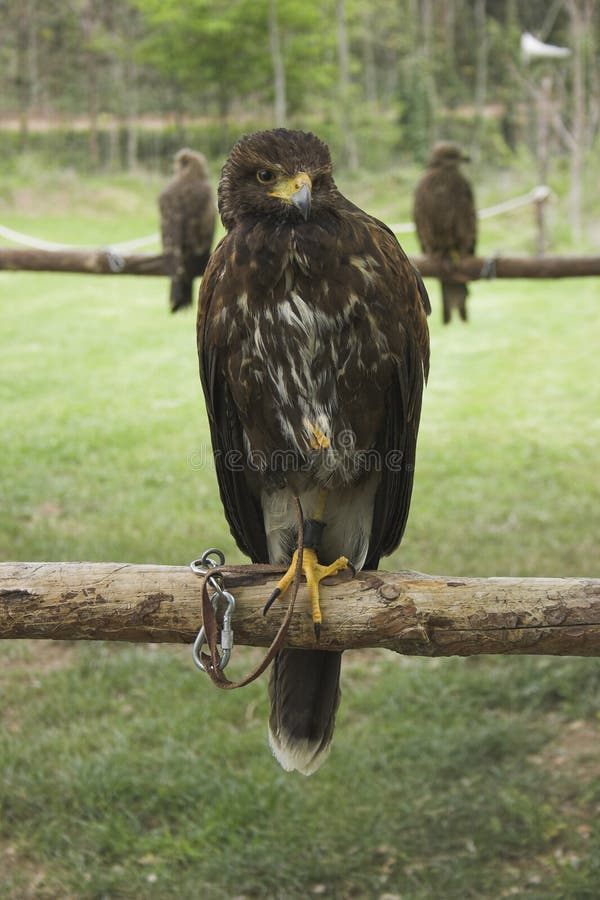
x,y
537,195
38,244
136,242
17,237
403,227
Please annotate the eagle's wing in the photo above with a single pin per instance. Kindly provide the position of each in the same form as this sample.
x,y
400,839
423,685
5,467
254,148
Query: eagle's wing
x,y
403,308
466,219
199,213
421,215
172,226
241,501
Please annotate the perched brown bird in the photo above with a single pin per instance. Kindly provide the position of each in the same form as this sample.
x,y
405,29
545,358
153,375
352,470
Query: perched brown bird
x,y
446,220
187,220
314,349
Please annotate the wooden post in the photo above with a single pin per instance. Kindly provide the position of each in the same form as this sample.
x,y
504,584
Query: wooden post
x,y
408,612
540,205
544,113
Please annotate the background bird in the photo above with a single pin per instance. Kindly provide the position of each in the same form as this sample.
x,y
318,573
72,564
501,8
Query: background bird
x,y
187,219
446,219
314,349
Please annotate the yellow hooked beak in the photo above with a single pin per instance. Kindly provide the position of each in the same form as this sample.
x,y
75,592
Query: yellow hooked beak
x,y
296,190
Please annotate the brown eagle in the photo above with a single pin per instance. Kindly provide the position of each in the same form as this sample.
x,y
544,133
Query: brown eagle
x,y
446,220
314,350
187,222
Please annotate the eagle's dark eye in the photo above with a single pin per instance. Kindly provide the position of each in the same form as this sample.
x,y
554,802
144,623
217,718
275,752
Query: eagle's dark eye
x,y
265,176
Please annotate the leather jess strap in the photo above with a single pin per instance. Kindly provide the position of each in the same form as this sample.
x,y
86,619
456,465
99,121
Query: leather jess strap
x,y
209,620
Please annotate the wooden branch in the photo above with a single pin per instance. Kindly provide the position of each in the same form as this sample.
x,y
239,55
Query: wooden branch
x,y
407,612
105,262
93,262
472,268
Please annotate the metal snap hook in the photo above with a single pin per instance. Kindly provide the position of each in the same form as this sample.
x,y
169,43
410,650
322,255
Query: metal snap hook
x,y
226,640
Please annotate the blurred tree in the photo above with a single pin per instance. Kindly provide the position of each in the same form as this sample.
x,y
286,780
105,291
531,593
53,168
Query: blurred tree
x,y
19,21
581,14
278,66
90,22
481,68
206,49
378,77
345,88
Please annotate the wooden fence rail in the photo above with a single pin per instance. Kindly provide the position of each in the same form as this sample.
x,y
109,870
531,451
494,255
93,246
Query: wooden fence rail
x,y
106,262
408,612
92,262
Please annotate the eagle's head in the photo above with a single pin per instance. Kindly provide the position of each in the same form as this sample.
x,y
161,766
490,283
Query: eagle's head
x,y
279,176
446,153
189,162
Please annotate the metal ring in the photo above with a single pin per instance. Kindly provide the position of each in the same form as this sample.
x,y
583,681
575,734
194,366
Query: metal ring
x,y
115,261
201,565
206,557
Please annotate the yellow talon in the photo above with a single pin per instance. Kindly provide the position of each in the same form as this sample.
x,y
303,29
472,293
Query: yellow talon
x,y
314,573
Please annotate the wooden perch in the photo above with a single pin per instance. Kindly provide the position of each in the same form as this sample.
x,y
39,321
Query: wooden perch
x,y
407,612
92,262
471,268
106,262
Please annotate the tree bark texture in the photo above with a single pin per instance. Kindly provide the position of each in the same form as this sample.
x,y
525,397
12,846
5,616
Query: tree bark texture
x,y
105,262
408,612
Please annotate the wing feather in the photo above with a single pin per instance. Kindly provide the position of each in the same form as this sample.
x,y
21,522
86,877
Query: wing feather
x,y
240,501
407,304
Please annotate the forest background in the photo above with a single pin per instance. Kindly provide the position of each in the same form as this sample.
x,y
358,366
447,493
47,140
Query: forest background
x,y
117,85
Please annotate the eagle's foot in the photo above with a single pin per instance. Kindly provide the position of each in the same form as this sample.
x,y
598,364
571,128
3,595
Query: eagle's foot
x,y
314,573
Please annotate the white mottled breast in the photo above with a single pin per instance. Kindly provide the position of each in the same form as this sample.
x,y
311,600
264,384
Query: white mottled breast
x,y
306,353
302,352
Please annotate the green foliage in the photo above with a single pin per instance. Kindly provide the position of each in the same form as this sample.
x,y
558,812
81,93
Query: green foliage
x,y
413,64
155,146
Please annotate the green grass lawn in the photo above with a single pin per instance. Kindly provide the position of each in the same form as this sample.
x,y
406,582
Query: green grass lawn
x,y
124,773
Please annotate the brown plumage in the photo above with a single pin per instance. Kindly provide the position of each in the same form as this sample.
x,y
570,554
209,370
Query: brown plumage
x,y
446,220
314,350
187,220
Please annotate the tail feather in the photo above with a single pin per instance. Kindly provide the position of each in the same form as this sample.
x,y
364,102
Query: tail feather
x,y
454,296
304,690
180,294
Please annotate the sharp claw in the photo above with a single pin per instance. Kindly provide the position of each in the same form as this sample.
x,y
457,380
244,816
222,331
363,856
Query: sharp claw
x,y
271,600
317,627
352,569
